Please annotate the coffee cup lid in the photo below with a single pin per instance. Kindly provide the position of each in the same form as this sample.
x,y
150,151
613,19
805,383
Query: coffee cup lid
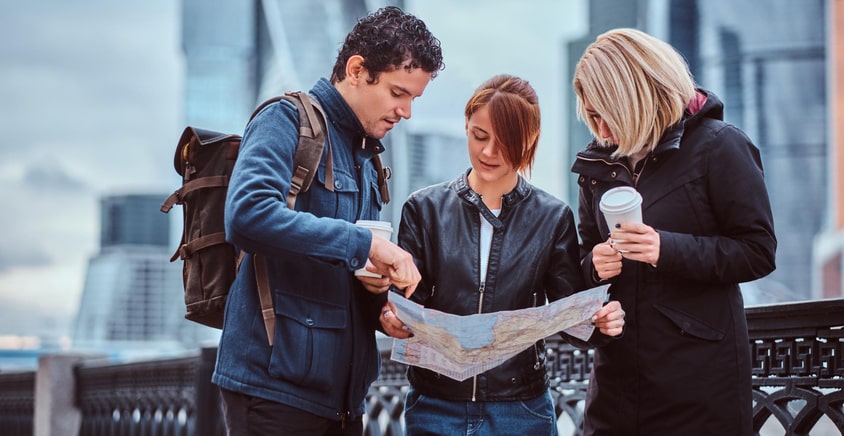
x,y
620,198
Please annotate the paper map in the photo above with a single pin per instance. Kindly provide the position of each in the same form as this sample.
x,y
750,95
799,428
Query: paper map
x,y
464,346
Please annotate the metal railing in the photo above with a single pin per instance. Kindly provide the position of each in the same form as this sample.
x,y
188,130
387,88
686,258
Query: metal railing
x,y
798,385
17,403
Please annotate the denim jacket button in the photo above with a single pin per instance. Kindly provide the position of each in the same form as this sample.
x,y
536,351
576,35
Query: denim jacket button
x,y
337,184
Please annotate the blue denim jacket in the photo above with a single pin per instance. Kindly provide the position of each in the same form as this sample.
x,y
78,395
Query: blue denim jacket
x,y
324,356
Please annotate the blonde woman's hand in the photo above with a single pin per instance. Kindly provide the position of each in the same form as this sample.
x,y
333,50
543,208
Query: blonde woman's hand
x,y
606,260
639,242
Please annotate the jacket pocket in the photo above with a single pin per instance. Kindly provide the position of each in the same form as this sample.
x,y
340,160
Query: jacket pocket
x,y
339,203
689,325
308,339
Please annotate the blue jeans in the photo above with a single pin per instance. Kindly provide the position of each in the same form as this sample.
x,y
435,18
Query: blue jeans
x,y
432,416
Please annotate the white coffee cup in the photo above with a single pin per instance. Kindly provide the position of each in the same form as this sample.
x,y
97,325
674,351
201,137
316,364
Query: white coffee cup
x,y
621,205
383,229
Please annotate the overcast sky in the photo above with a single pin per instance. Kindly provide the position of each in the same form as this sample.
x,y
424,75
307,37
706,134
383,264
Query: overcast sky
x,y
91,103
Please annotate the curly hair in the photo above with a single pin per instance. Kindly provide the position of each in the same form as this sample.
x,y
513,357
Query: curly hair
x,y
388,39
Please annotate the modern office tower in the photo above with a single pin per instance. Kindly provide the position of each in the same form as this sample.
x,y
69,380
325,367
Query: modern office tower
x,y
828,274
218,39
434,158
774,87
238,54
132,301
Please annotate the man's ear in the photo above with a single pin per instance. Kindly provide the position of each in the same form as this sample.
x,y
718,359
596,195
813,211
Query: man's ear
x,y
355,71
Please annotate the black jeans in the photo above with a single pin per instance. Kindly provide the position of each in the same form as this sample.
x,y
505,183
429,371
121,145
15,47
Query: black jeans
x,y
246,415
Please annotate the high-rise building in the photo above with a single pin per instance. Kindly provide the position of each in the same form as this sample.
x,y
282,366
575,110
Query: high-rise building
x,y
238,54
828,274
774,86
132,301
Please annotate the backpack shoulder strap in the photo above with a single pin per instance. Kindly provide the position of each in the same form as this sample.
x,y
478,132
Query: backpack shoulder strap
x,y
309,149
312,139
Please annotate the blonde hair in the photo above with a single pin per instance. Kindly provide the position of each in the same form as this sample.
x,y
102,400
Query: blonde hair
x,y
514,115
638,84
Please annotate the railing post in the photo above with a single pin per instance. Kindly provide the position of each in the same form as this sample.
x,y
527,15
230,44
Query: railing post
x,y
208,413
55,392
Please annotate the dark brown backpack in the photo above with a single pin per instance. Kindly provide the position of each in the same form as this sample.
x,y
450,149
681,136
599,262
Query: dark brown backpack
x,y
205,160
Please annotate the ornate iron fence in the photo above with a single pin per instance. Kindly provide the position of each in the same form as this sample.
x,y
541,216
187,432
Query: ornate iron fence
x,y
17,403
798,370
166,397
798,385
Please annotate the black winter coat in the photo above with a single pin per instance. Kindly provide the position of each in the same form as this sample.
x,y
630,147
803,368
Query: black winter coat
x,y
682,366
533,256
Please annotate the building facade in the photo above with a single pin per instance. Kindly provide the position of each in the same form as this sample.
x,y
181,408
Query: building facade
x,y
828,260
132,301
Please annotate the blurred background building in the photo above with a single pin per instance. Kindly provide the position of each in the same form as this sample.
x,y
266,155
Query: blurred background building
x,y
132,303
827,277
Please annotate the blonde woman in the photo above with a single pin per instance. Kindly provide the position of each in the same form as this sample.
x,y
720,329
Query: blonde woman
x,y
683,365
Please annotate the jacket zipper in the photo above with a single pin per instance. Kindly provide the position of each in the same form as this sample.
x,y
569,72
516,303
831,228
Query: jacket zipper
x,y
535,346
480,308
359,171
610,163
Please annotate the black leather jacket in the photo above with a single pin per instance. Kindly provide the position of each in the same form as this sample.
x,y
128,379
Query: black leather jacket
x,y
533,256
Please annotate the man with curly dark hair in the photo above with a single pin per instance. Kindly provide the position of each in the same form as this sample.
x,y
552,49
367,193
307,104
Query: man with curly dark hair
x,y
313,378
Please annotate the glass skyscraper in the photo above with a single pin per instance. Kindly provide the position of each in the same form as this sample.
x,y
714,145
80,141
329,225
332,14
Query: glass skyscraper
x,y
132,301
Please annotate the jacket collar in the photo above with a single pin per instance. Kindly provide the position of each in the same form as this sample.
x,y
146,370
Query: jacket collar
x,y
518,194
343,118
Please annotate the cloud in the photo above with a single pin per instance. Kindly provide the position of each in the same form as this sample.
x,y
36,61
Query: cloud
x,y
91,97
51,176
49,216
22,255
99,85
